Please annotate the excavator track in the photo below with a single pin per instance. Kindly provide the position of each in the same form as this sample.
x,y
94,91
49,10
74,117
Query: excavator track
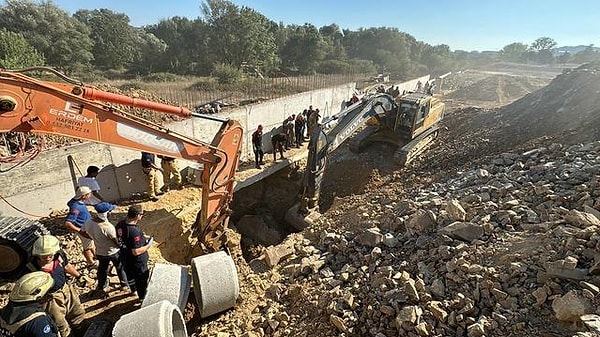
x,y
414,148
17,236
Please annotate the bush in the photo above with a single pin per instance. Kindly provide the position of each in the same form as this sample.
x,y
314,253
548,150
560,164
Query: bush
x,y
162,77
227,74
333,67
204,84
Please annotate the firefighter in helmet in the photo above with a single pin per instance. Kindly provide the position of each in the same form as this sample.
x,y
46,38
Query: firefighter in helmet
x,y
63,305
24,316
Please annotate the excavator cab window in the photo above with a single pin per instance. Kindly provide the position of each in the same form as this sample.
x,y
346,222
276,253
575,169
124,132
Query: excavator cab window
x,y
423,111
407,115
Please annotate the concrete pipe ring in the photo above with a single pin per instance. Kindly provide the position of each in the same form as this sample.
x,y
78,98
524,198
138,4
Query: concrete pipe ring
x,y
215,283
161,319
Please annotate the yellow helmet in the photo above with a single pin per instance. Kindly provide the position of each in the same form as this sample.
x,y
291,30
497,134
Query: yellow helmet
x,y
45,245
31,287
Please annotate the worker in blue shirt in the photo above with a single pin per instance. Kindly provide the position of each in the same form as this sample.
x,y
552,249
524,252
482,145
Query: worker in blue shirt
x,y
76,219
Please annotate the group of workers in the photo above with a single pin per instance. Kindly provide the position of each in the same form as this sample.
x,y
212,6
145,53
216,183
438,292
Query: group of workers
x,y
43,301
168,167
293,132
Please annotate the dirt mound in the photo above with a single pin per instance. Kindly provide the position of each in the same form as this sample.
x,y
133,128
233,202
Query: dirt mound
x,y
566,110
498,88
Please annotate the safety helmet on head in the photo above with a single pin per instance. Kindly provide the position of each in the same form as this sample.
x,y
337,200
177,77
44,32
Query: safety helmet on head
x,y
31,287
45,245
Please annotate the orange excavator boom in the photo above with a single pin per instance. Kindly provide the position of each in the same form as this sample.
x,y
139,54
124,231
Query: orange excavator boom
x,y
79,111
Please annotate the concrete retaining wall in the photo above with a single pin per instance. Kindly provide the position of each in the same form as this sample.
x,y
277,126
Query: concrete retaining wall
x,y
47,182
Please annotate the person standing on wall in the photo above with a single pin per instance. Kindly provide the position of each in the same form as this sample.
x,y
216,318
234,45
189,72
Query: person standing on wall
x,y
90,181
257,146
169,167
134,249
150,170
76,219
299,124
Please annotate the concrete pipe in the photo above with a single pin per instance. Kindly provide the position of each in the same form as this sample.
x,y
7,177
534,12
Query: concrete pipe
x,y
161,319
168,282
215,283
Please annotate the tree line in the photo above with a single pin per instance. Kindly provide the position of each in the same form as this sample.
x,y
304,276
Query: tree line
x,y
228,41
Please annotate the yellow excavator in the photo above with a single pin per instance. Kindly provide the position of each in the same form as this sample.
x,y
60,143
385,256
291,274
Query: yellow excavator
x,y
410,122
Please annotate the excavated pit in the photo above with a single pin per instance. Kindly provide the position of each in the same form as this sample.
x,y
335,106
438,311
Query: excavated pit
x,y
259,209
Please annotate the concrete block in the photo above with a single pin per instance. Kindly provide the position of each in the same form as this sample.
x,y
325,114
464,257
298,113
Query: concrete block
x,y
168,283
161,319
216,284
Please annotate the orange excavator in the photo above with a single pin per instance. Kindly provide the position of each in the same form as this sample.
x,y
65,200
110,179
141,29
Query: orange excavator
x,y
80,111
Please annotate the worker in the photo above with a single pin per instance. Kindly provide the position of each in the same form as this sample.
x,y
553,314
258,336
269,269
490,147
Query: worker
x,y
313,121
107,246
257,146
76,219
150,170
299,126
90,181
169,167
63,305
134,250
278,141
24,316
288,129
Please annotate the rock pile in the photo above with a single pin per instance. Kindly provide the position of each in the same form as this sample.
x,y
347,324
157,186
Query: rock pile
x,y
509,248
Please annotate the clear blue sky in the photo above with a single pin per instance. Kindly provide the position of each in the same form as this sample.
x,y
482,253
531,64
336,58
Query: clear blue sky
x,y
461,24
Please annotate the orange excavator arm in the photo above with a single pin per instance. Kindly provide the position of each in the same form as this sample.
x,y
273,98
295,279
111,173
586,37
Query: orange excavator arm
x,y
83,112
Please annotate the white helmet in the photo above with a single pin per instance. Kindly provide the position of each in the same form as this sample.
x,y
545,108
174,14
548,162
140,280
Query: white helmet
x,y
45,245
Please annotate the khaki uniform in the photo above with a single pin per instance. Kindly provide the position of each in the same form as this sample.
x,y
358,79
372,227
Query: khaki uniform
x,y
64,307
170,167
152,183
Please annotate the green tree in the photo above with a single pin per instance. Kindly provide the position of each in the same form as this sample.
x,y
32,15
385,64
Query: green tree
x,y
240,35
333,45
151,52
303,49
388,48
63,40
114,39
542,50
16,52
514,52
187,45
